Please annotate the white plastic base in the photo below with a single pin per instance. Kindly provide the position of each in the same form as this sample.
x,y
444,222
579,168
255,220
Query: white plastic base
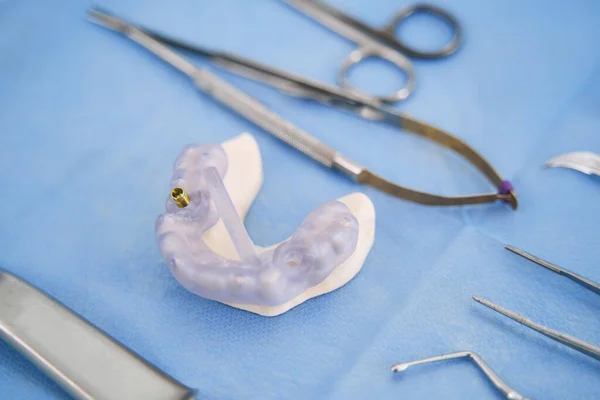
x,y
243,180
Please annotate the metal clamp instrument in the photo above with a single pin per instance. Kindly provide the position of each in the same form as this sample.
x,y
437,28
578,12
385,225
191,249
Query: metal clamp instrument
x,y
365,106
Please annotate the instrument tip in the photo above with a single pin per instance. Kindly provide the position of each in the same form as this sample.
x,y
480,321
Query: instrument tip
x,y
399,367
106,19
485,302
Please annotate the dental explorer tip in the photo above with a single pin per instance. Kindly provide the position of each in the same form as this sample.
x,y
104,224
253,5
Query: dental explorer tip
x,y
399,367
493,306
506,312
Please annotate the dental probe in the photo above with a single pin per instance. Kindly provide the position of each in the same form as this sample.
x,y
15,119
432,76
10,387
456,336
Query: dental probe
x,y
493,377
568,340
585,282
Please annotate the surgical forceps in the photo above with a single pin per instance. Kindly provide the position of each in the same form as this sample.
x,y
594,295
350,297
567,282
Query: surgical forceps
x,y
568,340
256,112
382,43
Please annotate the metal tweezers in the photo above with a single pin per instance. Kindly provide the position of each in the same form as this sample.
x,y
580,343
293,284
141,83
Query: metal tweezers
x,y
364,106
568,340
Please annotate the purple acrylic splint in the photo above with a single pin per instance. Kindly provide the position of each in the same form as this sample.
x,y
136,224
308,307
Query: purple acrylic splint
x,y
326,238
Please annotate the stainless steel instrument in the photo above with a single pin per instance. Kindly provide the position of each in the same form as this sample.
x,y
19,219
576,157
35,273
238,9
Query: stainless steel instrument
x,y
568,340
582,161
86,362
259,114
380,42
499,384
585,282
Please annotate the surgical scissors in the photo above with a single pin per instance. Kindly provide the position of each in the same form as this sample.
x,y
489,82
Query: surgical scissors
x,y
364,106
381,43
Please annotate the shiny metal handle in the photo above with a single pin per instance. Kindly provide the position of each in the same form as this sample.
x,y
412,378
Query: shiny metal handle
x,y
258,113
85,361
398,60
223,92
407,12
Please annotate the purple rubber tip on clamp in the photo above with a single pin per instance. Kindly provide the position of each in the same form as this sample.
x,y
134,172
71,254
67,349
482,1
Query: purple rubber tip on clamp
x,y
505,188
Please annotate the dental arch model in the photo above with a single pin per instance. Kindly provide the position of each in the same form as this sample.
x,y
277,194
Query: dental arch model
x,y
208,250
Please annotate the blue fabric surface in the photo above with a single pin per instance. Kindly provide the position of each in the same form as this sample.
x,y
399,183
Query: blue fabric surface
x,y
90,125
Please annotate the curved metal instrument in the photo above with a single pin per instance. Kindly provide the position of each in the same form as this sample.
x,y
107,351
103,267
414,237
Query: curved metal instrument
x,y
382,43
582,161
510,393
364,106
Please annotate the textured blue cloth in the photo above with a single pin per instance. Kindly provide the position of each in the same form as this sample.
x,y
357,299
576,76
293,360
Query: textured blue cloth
x,y
90,125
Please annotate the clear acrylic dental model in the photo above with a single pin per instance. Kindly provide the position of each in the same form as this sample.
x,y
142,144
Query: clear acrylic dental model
x,y
207,248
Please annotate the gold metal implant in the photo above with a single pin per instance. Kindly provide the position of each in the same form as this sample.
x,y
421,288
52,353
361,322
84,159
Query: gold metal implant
x,y
180,197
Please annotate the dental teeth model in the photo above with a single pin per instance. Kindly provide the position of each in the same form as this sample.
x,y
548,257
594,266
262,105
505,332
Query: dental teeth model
x,y
207,248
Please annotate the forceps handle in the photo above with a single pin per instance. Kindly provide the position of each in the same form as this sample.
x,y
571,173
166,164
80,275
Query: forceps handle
x,y
233,98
